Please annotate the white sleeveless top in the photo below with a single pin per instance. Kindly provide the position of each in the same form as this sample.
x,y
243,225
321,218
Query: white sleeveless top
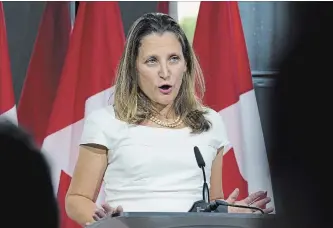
x,y
153,169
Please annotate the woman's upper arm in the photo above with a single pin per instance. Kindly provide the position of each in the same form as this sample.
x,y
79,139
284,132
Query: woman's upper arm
x,y
89,171
219,132
216,191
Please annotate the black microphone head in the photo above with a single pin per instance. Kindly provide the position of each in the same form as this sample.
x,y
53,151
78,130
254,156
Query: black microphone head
x,y
198,157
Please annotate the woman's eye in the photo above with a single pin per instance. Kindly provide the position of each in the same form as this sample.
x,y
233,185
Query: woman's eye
x,y
151,61
174,59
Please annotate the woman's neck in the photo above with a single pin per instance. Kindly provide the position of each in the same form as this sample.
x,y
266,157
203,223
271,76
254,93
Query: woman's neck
x,y
165,112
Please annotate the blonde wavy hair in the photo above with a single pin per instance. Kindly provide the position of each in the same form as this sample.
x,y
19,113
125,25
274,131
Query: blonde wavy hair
x,y
131,104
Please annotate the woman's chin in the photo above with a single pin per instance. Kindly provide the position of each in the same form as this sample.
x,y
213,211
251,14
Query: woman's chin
x,y
164,102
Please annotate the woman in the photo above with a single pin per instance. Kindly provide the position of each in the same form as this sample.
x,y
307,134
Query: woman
x,y
142,146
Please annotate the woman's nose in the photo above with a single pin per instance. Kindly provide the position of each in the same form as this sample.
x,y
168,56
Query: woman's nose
x,y
164,71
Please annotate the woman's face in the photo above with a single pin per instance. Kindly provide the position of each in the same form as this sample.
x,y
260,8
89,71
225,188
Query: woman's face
x,y
160,66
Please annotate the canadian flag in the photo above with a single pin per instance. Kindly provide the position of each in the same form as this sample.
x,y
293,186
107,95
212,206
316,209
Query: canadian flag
x,y
220,46
95,49
43,74
7,99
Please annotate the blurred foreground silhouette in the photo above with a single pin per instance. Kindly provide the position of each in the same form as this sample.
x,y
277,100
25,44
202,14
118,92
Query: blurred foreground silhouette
x,y
26,189
300,163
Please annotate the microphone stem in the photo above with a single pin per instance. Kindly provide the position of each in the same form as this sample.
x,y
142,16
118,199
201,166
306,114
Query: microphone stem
x,y
204,174
205,189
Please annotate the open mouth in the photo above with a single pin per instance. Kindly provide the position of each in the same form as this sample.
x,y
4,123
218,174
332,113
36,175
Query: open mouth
x,y
165,87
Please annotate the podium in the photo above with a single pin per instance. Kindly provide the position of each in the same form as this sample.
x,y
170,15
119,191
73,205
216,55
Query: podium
x,y
187,220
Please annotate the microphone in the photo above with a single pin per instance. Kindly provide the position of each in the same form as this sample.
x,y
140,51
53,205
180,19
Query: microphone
x,y
213,206
217,205
201,164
